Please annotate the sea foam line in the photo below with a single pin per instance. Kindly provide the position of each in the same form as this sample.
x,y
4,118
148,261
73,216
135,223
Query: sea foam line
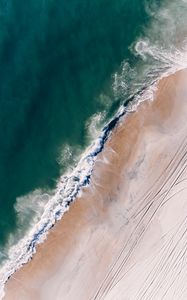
x,y
67,190
69,186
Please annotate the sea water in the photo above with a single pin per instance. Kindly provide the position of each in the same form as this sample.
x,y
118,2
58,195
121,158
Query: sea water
x,y
68,69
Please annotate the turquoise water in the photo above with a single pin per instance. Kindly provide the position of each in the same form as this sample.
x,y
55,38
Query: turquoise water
x,y
56,58
66,67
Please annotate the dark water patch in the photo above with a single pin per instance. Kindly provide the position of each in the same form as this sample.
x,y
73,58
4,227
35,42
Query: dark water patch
x,y
55,58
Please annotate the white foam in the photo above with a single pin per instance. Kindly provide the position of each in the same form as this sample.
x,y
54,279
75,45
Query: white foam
x,y
67,189
93,125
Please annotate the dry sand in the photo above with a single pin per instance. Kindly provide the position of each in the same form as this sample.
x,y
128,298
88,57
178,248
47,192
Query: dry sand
x,y
125,237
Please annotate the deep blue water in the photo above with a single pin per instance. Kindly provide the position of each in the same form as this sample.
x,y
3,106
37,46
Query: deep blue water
x,y
56,58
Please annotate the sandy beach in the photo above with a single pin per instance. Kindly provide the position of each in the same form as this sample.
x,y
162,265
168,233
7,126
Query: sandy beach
x,y
125,237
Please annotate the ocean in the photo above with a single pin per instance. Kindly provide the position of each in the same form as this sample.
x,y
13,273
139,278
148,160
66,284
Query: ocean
x,y
68,71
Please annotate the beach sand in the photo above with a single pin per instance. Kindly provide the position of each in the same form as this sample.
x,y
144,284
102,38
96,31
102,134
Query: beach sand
x,y
125,237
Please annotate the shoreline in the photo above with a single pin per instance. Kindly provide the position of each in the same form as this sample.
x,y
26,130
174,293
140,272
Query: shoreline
x,y
82,237
70,184
68,188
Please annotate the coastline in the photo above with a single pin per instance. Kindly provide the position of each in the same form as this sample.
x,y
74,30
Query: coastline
x,y
110,212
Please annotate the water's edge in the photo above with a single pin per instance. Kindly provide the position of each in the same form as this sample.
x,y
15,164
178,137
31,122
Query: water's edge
x,y
70,186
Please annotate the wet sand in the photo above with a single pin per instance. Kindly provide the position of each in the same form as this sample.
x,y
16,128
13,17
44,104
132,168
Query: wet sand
x,y
125,237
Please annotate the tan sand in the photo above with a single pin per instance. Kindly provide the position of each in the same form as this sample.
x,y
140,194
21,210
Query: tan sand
x,y
125,238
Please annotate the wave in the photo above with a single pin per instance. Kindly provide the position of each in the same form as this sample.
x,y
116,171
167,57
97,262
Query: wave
x,y
68,189
133,85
